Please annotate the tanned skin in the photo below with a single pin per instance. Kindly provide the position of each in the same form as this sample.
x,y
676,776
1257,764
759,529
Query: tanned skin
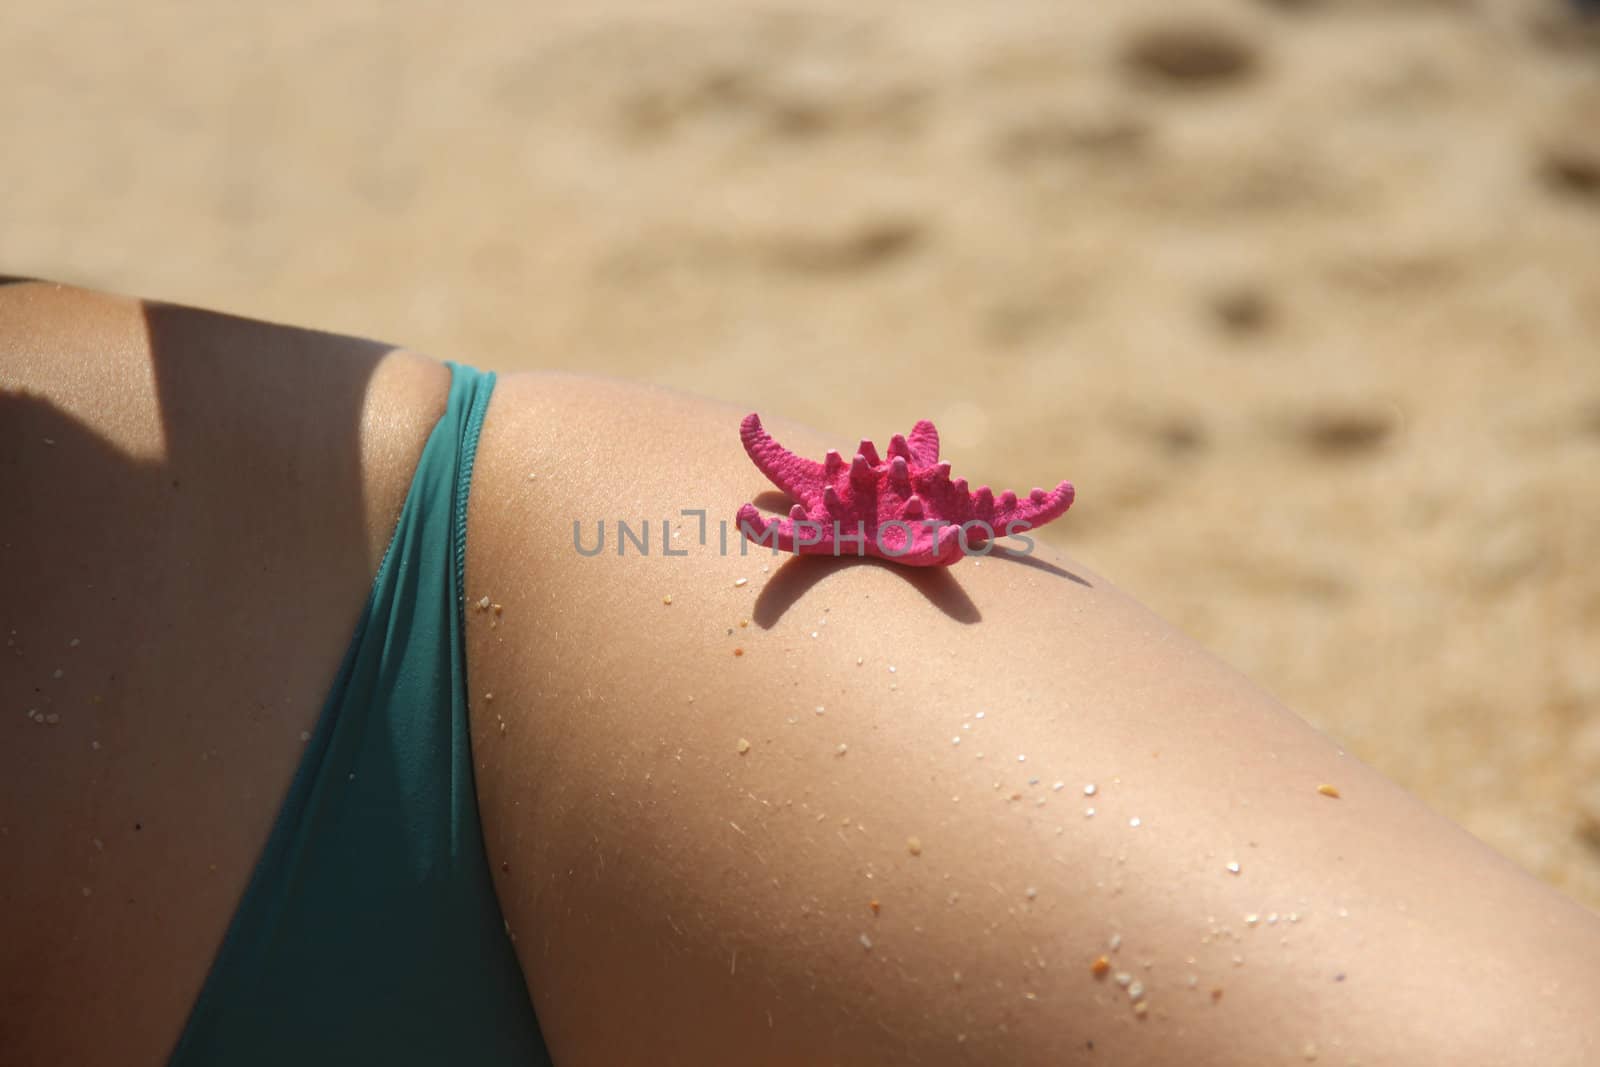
x,y
692,867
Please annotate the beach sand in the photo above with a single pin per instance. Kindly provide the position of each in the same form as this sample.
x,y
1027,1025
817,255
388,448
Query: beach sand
x,y
1303,295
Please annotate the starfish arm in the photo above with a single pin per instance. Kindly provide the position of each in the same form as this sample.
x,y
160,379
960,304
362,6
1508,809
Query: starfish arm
x,y
756,527
1039,508
981,532
946,547
983,504
924,442
785,533
797,476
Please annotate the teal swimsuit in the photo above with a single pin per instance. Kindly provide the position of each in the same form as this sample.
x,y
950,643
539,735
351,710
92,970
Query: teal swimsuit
x,y
370,932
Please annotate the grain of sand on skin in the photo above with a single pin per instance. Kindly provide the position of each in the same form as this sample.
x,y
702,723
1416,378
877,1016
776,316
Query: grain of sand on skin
x,y
1147,980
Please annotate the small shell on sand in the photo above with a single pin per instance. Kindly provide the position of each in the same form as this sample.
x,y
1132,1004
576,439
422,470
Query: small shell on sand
x,y
914,845
1328,790
744,746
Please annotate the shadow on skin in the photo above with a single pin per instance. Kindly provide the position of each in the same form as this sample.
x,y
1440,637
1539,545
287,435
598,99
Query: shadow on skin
x,y
799,574
179,564
773,502
1013,556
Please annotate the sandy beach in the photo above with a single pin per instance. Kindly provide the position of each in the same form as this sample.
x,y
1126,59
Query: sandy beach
x,y
1303,295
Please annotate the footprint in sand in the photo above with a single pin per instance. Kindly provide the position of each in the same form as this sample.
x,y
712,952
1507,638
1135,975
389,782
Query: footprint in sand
x,y
1180,435
864,246
797,105
1242,310
1053,137
1342,433
1589,419
1572,170
1370,6
1177,434
1588,822
1190,54
1573,27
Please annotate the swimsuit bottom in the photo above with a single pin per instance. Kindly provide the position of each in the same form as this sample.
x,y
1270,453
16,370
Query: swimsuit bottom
x,y
369,932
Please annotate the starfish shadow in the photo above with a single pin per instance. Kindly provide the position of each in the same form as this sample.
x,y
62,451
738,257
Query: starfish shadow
x,y
799,574
1013,556
773,502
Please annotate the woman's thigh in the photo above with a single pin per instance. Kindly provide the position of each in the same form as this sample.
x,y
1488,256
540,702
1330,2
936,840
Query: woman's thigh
x,y
749,809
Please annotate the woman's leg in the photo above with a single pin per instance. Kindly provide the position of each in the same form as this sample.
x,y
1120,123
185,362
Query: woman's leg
x,y
675,897
855,813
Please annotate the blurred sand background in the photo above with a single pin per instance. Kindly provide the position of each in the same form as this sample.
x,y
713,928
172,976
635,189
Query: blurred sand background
x,y
1303,295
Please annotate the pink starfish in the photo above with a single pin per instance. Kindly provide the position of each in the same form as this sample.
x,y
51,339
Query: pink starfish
x,y
906,509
